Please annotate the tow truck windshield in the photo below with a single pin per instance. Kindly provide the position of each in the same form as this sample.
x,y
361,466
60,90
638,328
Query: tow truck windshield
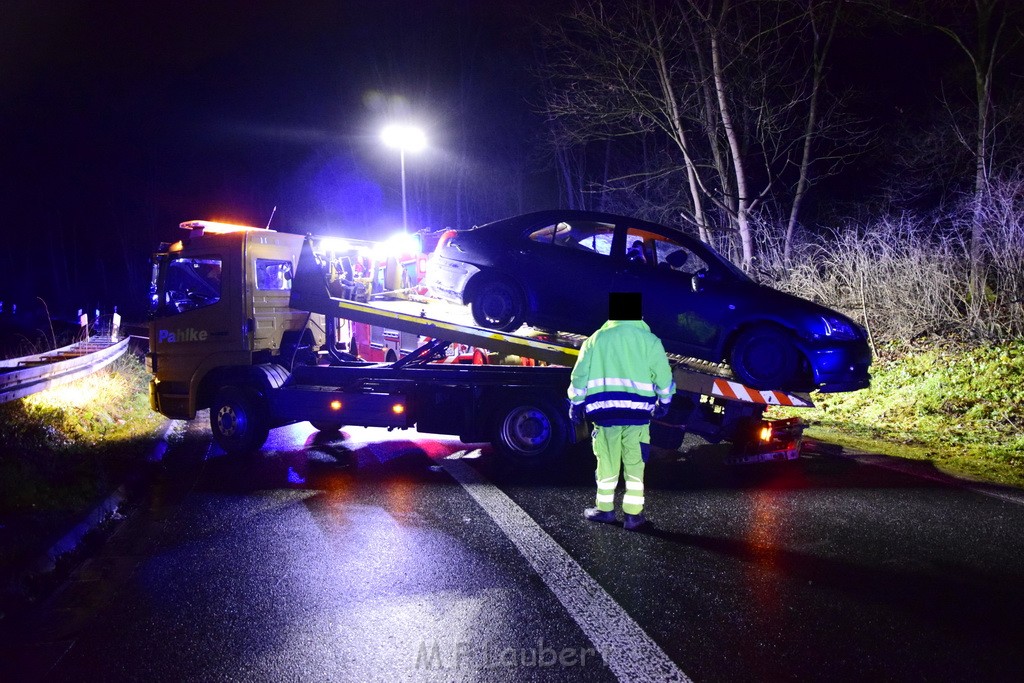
x,y
184,284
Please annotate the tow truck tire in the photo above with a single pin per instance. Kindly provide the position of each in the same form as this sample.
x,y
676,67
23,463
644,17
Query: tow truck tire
x,y
238,418
498,305
322,426
530,431
764,357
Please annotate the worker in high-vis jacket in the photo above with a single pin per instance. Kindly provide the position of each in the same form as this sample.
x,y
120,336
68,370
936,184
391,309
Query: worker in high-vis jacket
x,y
621,378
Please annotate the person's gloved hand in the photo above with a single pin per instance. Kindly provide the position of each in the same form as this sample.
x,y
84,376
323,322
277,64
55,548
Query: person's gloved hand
x,y
660,409
577,413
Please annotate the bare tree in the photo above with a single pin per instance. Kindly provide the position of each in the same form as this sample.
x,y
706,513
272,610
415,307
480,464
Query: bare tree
x,y
743,201
718,83
613,74
980,35
821,42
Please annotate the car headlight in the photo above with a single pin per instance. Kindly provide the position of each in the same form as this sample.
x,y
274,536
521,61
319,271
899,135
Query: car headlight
x,y
839,328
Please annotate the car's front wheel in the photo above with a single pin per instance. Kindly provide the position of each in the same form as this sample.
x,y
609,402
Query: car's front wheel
x,y
765,357
498,305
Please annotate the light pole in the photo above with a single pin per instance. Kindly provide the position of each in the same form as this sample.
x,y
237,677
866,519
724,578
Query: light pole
x,y
404,138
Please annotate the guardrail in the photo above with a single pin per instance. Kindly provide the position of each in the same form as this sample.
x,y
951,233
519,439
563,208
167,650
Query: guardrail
x,y
20,377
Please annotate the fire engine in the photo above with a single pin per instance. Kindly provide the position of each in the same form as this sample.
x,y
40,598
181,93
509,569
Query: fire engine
x,y
257,326
392,270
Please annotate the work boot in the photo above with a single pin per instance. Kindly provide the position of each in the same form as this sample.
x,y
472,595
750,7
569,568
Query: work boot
x,y
595,515
633,522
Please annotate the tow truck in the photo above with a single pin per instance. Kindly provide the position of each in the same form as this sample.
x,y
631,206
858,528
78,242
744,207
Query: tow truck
x,y
245,322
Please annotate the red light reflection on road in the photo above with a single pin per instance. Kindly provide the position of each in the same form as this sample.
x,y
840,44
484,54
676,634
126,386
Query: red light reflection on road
x,y
763,542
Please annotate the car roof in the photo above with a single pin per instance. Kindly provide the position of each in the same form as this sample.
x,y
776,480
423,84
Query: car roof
x,y
539,217
518,224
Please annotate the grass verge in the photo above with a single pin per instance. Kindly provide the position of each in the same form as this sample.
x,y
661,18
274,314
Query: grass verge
x,y
958,405
64,449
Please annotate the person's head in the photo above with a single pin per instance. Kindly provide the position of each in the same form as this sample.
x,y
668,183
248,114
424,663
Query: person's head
x,y
625,306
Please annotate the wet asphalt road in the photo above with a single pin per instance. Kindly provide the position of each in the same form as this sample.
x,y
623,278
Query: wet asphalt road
x,y
377,556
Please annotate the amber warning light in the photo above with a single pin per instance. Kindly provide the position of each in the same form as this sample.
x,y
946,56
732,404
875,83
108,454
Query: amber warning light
x,y
216,228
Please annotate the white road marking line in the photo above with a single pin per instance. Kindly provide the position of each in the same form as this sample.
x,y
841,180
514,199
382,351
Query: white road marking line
x,y
627,650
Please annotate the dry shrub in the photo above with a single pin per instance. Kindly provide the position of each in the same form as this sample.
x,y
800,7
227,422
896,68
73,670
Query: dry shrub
x,y
905,276
1000,313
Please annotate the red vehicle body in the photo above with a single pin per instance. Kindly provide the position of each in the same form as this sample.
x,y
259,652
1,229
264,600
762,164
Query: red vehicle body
x,y
401,272
381,345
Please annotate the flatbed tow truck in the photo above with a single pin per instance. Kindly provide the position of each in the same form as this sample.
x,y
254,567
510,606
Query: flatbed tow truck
x,y
245,322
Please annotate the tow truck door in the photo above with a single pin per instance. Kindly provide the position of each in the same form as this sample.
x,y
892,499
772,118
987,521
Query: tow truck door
x,y
270,261
197,318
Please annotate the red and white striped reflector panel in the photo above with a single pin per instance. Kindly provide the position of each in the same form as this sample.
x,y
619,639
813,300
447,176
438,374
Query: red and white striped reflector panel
x,y
741,392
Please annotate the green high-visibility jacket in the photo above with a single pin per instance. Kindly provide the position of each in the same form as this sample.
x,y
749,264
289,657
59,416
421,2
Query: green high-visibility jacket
x,y
621,372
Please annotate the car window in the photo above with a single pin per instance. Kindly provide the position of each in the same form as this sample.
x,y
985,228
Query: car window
x,y
654,250
585,235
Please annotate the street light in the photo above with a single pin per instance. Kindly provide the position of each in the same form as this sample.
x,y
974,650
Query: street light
x,y
405,139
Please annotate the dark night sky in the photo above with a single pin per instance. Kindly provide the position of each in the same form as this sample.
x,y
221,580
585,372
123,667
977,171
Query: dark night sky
x,y
123,118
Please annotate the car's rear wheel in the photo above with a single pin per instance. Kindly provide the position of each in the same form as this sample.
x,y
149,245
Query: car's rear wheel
x,y
498,304
765,357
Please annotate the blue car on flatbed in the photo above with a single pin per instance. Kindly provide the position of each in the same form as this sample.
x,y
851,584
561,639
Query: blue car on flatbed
x,y
554,269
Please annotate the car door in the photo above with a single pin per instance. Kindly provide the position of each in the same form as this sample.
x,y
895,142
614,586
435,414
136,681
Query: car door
x,y
569,273
662,266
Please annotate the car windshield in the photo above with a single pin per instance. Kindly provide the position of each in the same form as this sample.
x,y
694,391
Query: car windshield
x,y
708,253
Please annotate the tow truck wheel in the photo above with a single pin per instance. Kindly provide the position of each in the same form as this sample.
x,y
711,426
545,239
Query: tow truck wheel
x,y
498,305
239,420
764,357
326,426
531,431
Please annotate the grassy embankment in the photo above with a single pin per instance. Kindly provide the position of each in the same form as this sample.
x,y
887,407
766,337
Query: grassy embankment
x,y
959,406
64,449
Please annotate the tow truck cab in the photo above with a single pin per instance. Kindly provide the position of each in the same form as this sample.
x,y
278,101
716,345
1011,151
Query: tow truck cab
x,y
219,300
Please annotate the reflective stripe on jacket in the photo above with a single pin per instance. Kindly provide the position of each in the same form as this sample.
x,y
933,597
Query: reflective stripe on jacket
x,y
621,372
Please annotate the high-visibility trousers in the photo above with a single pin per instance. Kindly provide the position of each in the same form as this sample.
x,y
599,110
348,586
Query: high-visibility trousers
x,y
620,449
